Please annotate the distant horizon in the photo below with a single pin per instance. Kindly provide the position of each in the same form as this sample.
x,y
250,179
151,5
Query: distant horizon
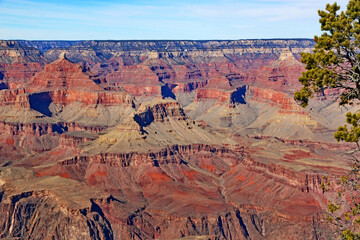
x,y
159,19
155,40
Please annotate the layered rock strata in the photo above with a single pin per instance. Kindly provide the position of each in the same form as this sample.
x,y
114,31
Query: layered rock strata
x,y
162,140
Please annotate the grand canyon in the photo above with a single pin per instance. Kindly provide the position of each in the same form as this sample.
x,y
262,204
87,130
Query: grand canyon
x,y
163,140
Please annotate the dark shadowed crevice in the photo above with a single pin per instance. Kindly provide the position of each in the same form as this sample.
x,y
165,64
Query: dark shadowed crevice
x,y
40,102
3,86
166,92
6,164
244,230
144,119
239,95
59,128
258,223
105,224
221,228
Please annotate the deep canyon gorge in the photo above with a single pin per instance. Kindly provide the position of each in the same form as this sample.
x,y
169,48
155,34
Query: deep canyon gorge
x,y
163,140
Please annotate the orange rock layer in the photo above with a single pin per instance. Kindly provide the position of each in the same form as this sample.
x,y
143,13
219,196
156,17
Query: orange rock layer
x,y
282,100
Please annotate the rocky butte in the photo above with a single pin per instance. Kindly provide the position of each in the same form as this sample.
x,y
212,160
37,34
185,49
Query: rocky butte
x,y
162,140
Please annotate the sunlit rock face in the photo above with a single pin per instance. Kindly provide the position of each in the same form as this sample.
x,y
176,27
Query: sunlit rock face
x,y
162,140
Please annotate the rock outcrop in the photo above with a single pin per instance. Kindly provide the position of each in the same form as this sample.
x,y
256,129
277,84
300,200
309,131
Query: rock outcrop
x,y
282,75
139,81
220,89
283,101
13,52
62,82
64,74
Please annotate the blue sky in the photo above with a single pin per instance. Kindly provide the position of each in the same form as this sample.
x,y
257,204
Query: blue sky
x,y
159,19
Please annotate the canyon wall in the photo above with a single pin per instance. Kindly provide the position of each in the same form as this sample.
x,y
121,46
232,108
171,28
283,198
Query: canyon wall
x,y
163,140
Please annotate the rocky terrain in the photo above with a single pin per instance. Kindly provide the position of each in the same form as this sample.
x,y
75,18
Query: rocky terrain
x,y
163,140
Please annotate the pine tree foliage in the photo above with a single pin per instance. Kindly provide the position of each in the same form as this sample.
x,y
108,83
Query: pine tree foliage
x,y
335,64
335,61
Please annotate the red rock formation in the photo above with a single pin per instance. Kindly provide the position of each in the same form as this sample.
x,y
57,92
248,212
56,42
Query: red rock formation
x,y
143,90
175,176
103,69
222,66
63,218
64,82
41,129
219,88
137,80
16,75
282,100
186,87
139,74
105,98
73,138
159,111
282,75
219,82
180,78
63,74
216,94
15,97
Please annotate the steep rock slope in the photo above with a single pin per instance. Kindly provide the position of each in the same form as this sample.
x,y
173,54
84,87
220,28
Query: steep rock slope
x,y
60,91
220,89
